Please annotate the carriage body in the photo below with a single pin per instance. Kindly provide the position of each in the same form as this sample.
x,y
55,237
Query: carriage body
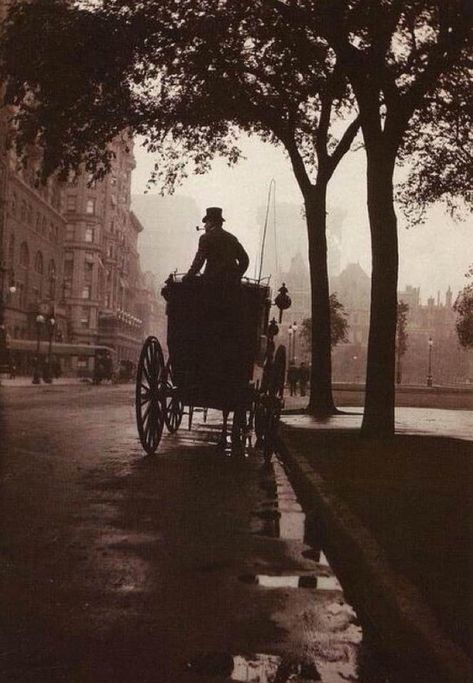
x,y
216,339
221,355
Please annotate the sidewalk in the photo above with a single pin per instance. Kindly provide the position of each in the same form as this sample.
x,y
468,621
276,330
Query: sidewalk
x,y
396,516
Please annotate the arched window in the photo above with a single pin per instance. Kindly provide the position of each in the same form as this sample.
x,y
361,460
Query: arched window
x,y
24,255
38,262
52,278
11,249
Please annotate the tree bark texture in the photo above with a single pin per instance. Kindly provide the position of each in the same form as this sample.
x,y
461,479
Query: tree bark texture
x,y
321,399
378,417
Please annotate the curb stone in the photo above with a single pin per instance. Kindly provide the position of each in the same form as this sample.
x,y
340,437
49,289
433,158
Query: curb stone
x,y
389,603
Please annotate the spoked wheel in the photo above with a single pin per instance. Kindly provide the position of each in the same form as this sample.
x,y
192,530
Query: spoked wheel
x,y
174,407
150,395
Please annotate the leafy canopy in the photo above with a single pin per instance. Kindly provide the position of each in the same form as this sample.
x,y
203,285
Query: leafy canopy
x,y
173,71
463,307
338,324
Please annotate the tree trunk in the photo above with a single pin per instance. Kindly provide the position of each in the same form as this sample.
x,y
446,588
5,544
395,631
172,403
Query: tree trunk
x,y
378,417
321,400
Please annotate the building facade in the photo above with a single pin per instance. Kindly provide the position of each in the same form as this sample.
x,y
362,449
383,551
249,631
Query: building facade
x,y
102,275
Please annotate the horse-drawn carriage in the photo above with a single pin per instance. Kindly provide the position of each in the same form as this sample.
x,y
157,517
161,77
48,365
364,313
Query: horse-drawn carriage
x,y
222,355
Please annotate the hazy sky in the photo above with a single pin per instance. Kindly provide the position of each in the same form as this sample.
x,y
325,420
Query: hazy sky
x,y
432,256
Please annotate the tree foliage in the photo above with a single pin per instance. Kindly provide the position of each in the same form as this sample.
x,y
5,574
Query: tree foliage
x,y
187,76
463,307
401,337
338,324
401,328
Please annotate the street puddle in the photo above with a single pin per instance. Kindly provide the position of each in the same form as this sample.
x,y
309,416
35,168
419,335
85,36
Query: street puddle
x,y
319,583
254,668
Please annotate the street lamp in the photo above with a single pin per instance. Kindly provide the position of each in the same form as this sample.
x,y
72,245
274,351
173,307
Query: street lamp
x,y
40,320
291,336
4,270
429,372
48,372
294,328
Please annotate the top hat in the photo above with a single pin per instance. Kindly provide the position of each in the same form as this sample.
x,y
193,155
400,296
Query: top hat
x,y
213,213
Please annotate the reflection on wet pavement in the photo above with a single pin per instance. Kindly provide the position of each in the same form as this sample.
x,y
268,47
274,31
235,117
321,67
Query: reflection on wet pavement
x,y
254,668
320,583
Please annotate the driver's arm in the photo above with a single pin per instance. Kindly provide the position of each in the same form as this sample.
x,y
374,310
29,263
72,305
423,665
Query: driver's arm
x,y
242,258
199,258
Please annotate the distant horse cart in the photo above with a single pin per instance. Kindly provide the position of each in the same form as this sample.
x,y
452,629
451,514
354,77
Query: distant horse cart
x,y
221,355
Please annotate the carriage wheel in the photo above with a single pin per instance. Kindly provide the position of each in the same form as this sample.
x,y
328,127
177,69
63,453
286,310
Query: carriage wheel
x,y
150,395
174,407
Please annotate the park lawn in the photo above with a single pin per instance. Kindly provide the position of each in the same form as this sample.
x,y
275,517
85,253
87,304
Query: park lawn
x,y
414,494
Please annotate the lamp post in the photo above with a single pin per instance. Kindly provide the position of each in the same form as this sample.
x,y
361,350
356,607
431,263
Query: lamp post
x,y
40,320
48,372
294,328
4,270
291,337
429,371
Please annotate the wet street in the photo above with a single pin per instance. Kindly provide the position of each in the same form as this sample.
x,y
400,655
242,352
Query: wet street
x,y
191,565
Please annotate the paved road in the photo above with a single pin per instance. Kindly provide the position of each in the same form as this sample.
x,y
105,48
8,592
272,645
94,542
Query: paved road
x,y
189,566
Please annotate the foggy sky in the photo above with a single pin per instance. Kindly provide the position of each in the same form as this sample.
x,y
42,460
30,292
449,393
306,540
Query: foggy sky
x,y
433,256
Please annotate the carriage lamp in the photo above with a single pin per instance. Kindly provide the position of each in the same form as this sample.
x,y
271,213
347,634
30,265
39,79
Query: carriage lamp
x,y
283,300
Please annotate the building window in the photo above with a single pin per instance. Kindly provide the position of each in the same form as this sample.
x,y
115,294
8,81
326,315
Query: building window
x,y
82,362
90,206
11,249
71,202
14,202
44,226
23,211
85,317
88,270
86,291
24,255
38,222
21,294
38,262
89,234
52,278
68,266
69,233
30,214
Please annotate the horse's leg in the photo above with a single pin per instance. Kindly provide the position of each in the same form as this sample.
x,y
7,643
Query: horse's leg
x,y
238,428
222,442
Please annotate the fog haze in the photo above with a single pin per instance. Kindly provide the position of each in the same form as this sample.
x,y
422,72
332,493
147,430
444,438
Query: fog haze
x,y
433,256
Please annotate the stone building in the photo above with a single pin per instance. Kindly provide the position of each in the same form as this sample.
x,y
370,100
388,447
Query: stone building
x,y
32,231
102,273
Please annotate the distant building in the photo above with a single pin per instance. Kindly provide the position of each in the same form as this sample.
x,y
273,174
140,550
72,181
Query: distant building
x,y
169,240
102,276
32,231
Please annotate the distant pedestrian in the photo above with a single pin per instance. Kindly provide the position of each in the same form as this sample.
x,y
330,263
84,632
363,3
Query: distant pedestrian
x,y
303,378
292,377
